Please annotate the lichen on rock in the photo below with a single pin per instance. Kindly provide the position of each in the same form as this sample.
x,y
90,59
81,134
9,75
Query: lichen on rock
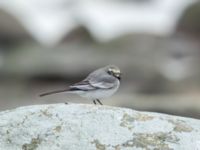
x,y
181,126
159,141
32,145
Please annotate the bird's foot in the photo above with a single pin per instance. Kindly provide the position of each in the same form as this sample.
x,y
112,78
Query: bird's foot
x,y
94,102
99,101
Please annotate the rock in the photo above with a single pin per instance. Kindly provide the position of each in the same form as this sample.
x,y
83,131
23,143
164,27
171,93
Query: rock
x,y
90,127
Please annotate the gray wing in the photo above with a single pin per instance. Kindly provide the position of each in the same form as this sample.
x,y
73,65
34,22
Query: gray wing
x,y
81,86
95,82
103,84
102,81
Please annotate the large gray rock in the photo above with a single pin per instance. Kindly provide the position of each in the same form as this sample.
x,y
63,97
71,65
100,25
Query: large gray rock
x,y
90,127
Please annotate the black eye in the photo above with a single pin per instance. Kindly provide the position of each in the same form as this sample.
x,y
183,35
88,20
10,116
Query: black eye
x,y
110,72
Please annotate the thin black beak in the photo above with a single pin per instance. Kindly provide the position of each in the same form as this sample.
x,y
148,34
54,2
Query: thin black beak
x,y
119,78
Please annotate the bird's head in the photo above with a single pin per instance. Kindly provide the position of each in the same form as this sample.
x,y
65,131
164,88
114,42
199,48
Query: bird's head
x,y
114,71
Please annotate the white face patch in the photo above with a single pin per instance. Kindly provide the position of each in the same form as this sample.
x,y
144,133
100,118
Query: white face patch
x,y
115,71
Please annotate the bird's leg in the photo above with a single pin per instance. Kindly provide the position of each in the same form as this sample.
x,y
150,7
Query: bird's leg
x,y
94,102
99,101
66,103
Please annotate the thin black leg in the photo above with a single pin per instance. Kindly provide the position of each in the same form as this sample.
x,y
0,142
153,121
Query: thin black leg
x,y
99,101
94,102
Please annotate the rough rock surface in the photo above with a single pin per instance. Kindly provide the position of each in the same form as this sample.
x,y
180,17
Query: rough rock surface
x,y
90,127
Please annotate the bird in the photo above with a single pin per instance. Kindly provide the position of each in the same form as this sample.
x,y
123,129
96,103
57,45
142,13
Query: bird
x,y
99,84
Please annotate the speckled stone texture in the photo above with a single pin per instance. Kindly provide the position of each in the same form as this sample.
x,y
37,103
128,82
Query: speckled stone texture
x,y
90,127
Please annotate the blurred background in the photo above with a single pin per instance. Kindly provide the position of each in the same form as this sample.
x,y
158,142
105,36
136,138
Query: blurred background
x,y
50,44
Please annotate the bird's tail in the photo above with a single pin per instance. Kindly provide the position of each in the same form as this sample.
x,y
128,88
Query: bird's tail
x,y
53,92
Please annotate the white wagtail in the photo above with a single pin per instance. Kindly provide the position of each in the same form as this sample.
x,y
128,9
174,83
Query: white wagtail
x,y
99,84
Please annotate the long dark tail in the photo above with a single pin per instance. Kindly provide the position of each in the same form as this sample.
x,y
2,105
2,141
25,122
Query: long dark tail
x,y
53,92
